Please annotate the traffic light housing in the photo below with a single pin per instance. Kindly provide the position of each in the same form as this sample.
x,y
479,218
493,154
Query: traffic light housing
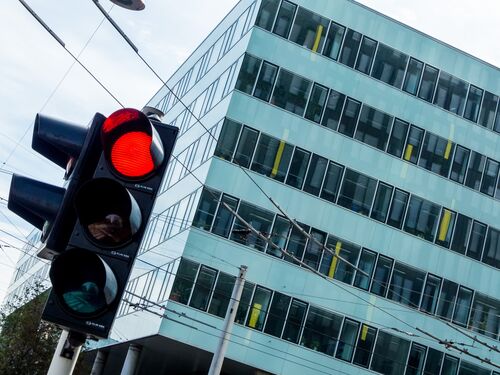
x,y
94,227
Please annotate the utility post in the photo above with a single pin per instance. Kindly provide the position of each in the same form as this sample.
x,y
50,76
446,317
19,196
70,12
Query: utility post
x,y
66,353
220,352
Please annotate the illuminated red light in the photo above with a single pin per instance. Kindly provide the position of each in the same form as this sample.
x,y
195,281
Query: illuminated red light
x,y
120,117
131,155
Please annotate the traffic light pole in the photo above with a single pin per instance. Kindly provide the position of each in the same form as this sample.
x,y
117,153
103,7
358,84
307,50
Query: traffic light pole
x,y
220,352
66,353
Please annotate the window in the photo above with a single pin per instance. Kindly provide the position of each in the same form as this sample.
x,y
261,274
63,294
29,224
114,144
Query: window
x,y
184,280
390,354
228,139
491,253
279,235
246,147
381,276
488,108
461,235
334,40
450,365
365,55
470,369
202,288
267,13
244,305
485,316
428,84
445,228
314,248
450,93
447,299
332,182
413,144
284,20
488,184
248,74
475,171
294,321
476,240
433,361
315,174
309,30
291,92
277,314
349,117
316,103
389,65
258,308
422,218
366,264
347,341
337,268
416,360
204,215
265,81
406,285
333,110
224,218
473,103
296,243
350,48
382,202
398,138
259,219
462,308
398,208
321,330
364,347
272,157
222,293
431,293
373,127
436,154
357,192
459,166
298,167
413,74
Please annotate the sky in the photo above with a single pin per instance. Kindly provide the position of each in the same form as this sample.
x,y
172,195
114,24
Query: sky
x,y
38,75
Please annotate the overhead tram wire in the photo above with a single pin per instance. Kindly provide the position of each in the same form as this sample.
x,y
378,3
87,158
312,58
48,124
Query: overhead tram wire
x,y
475,339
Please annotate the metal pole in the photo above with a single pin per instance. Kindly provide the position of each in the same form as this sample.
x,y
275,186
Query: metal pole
x,y
99,362
131,360
66,354
220,352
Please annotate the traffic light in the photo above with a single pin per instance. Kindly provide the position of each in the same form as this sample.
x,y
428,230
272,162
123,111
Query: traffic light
x,y
94,227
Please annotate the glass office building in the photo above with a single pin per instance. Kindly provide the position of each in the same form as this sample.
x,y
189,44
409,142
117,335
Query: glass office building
x,y
362,158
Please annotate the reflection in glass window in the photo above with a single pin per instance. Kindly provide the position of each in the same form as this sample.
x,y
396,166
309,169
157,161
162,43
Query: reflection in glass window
x,y
485,316
334,40
203,288
321,330
332,182
248,74
366,264
422,218
291,92
347,341
365,55
284,20
294,321
314,248
277,314
462,308
259,219
445,228
473,103
416,359
431,293
428,84
476,240
364,347
184,280
357,192
315,174
279,235
459,166
258,308
272,157
382,202
433,361
298,167
246,296
491,253
398,208
333,109
339,269
246,147
350,48
296,243
488,108
227,139
398,138
389,65
436,154
309,30
488,184
388,352
447,299
204,215
413,74
224,218
461,234
221,296
349,117
373,127
380,281
450,93
316,103
406,285
450,365
265,81
470,369
413,144
267,13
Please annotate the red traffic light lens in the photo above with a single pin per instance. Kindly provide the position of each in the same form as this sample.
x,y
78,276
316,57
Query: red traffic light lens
x,y
131,155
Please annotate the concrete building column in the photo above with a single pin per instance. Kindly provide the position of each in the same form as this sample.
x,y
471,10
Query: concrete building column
x,y
99,362
132,359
